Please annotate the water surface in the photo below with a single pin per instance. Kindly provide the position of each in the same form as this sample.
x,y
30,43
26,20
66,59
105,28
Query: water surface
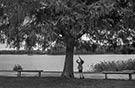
x,y
54,62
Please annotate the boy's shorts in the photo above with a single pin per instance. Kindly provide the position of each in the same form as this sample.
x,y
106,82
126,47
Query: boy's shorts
x,y
80,71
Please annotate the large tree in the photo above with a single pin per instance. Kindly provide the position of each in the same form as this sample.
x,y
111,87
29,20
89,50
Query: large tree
x,y
45,21
52,20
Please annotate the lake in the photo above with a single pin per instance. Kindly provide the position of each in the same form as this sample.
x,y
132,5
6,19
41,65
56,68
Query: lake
x,y
54,62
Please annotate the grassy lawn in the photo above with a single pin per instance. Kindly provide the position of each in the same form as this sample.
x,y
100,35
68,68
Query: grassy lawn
x,y
58,82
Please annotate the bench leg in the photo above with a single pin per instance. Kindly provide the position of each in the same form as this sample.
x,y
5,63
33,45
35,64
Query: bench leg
x,y
130,76
106,76
39,75
18,74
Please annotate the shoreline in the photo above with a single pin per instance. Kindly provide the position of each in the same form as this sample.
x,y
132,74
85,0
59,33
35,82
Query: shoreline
x,y
38,52
60,54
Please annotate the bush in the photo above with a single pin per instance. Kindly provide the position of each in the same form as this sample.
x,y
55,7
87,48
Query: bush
x,y
17,68
114,65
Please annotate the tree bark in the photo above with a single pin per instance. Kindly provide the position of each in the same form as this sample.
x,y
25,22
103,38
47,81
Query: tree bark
x,y
68,66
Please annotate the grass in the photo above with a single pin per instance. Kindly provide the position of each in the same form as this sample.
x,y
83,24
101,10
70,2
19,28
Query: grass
x,y
58,82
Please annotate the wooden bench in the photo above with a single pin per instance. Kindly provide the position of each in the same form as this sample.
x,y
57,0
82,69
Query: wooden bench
x,y
20,71
119,72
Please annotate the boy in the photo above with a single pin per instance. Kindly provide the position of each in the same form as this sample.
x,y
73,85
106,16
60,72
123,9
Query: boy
x,y
80,67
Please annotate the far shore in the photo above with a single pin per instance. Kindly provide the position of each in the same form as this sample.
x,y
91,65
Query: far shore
x,y
38,52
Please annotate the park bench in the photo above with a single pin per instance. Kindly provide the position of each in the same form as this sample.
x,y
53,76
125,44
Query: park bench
x,y
119,72
20,71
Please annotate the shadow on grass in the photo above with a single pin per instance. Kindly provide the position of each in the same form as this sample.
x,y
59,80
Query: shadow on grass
x,y
60,82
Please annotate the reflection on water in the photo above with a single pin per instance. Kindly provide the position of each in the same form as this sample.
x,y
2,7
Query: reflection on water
x,y
53,62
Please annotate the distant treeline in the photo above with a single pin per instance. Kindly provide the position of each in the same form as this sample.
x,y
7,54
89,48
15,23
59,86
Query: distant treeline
x,y
83,48
87,48
21,52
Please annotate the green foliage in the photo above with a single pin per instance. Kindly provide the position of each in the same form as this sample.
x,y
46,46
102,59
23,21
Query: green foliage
x,y
114,65
34,21
17,68
15,14
57,49
113,24
39,22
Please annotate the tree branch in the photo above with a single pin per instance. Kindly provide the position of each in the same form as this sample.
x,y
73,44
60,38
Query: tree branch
x,y
81,33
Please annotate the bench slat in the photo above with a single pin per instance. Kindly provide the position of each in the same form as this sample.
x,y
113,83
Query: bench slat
x,y
39,72
119,72
30,71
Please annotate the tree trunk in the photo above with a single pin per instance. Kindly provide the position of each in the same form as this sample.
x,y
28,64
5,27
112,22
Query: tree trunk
x,y
68,66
